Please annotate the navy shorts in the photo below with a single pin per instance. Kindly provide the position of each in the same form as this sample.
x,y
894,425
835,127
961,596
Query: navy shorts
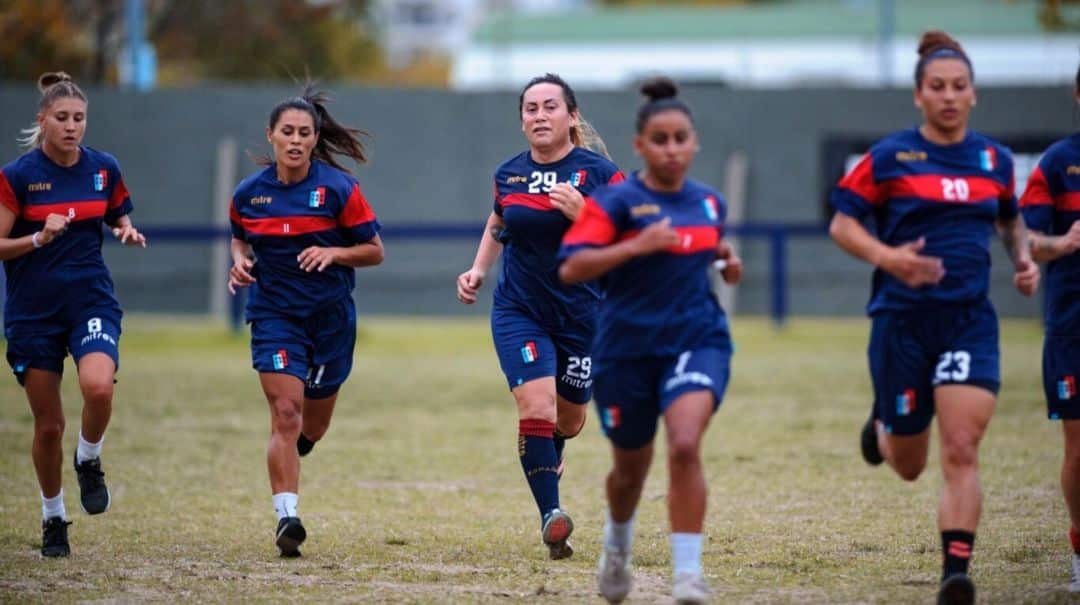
x,y
1061,368
632,394
318,350
43,345
528,351
912,352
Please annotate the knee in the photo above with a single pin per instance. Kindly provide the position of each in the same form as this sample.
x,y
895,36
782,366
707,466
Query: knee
x,y
909,471
49,429
570,425
287,417
960,451
683,451
537,408
627,478
98,393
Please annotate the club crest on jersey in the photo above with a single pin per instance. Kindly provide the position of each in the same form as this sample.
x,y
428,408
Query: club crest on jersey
x,y
611,417
1066,387
578,178
988,159
709,204
101,179
281,359
317,198
529,352
905,402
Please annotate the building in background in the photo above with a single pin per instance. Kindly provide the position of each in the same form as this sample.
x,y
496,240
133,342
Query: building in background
x,y
863,43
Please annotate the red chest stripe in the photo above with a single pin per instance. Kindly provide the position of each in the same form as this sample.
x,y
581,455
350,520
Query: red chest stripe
x,y
1068,201
287,226
692,239
940,188
77,211
536,201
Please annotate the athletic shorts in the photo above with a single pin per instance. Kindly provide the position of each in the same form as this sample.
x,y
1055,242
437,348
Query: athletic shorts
x,y
1061,368
527,351
912,352
318,350
44,344
632,394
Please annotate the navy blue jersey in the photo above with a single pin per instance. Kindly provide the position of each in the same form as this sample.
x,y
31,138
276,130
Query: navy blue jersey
x,y
279,221
1051,203
534,230
70,271
661,304
949,194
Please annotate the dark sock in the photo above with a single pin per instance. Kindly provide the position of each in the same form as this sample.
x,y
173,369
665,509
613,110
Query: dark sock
x,y
536,446
1074,539
560,443
304,445
957,545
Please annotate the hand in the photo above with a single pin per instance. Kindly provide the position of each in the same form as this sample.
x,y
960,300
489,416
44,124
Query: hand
x,y
467,285
656,237
129,235
732,272
240,274
1070,240
55,226
316,258
1026,278
913,269
566,199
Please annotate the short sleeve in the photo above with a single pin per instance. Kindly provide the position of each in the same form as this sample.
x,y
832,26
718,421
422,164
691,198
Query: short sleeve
x,y
8,199
858,193
236,222
1037,203
1008,207
357,217
119,198
595,227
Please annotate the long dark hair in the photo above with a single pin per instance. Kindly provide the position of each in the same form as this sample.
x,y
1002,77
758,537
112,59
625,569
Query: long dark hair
x,y
662,94
53,85
936,44
334,138
582,135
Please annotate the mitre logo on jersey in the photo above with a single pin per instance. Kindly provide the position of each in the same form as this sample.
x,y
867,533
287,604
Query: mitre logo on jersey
x,y
988,159
910,156
578,178
1072,170
261,200
101,179
644,210
709,203
510,180
317,199
32,187
905,402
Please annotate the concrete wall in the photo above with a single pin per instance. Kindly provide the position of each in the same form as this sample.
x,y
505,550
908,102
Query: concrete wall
x,y
433,153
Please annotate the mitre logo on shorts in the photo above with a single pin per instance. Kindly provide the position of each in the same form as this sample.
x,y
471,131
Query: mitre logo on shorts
x,y
529,353
905,402
317,198
101,179
1067,387
281,359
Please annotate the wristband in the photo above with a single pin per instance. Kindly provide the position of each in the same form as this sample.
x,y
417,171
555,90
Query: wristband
x,y
34,240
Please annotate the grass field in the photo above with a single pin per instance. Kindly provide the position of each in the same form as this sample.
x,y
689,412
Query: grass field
x,y
416,493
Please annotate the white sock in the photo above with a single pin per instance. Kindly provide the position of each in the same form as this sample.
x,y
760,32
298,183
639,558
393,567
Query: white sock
x,y
53,507
686,552
87,450
617,535
285,504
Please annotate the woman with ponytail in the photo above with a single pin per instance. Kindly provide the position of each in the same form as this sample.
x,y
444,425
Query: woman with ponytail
x,y
1051,208
663,347
300,227
54,200
936,192
543,329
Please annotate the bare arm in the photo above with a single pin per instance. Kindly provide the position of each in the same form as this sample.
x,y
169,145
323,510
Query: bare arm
x,y
1045,248
240,273
469,282
1014,236
590,263
318,258
128,235
14,247
903,262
